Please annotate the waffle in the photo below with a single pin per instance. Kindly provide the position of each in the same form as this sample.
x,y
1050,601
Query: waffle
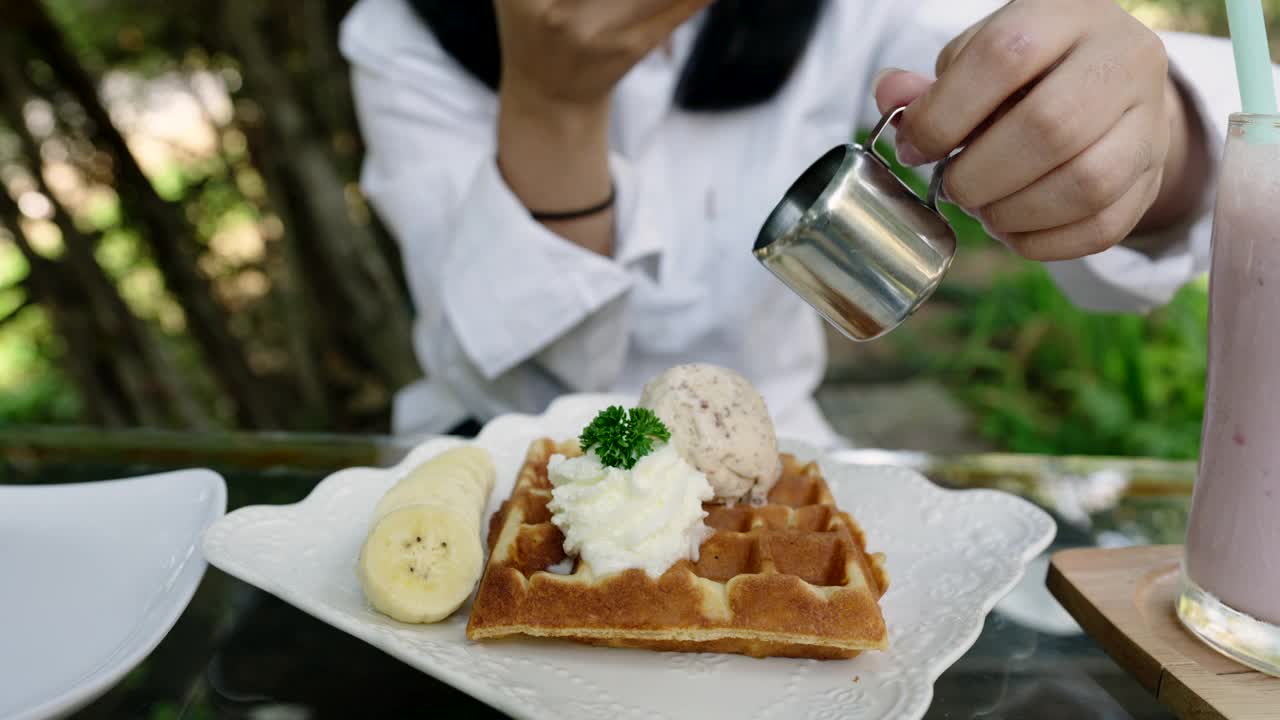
x,y
788,578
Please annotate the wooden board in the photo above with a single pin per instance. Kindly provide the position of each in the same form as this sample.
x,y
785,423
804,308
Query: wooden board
x,y
1124,598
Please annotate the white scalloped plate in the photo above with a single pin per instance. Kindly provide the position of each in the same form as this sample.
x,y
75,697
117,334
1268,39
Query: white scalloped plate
x,y
951,557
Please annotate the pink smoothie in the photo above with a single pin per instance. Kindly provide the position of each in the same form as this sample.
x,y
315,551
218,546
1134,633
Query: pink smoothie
x,y
1233,540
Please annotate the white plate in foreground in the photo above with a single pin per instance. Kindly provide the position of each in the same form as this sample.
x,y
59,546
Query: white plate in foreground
x,y
92,577
950,557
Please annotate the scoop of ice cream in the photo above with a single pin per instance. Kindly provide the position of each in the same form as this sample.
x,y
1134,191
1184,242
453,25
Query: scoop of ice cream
x,y
720,425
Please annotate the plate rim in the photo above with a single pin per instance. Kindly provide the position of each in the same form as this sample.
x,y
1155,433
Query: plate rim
x,y
186,579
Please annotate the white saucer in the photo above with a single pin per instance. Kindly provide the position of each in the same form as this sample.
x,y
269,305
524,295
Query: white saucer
x,y
92,577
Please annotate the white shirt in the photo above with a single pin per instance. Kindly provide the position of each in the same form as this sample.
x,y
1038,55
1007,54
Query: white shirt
x,y
511,315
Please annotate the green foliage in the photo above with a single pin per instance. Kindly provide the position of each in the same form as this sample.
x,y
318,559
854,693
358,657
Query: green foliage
x,y
1047,377
13,266
1208,16
32,389
622,437
104,32
48,399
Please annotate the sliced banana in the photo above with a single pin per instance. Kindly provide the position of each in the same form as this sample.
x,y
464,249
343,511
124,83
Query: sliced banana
x,y
423,555
464,474
448,490
420,563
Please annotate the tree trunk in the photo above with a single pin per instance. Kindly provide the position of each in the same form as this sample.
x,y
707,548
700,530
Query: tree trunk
x,y
158,387
365,285
333,334
98,404
168,234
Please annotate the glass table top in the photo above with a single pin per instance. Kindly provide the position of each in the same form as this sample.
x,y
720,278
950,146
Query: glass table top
x,y
238,652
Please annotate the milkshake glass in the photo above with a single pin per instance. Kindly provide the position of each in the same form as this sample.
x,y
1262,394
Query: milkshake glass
x,y
1231,570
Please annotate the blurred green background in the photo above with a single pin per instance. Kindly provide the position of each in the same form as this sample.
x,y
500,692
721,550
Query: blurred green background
x,y
183,244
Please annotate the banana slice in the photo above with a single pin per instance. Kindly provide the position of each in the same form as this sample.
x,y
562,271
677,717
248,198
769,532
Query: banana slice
x,y
423,555
448,491
421,562
464,475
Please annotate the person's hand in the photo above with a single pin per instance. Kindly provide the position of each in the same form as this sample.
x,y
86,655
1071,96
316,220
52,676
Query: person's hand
x,y
1068,122
560,62
575,51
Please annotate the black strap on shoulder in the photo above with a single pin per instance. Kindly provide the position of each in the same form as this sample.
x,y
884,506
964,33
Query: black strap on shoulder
x,y
468,31
743,55
745,52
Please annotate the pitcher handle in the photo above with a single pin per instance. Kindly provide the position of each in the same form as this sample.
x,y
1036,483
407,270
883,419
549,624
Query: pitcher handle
x,y
935,181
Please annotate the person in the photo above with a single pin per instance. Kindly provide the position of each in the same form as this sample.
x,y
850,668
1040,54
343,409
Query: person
x,y
576,185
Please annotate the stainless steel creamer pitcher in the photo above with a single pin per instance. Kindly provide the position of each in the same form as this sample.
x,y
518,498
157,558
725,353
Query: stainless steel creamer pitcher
x,y
856,243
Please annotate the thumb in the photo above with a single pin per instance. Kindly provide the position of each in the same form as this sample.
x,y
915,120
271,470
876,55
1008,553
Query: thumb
x,y
894,88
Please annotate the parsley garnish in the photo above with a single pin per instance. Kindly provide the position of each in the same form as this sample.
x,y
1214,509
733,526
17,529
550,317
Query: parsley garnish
x,y
622,437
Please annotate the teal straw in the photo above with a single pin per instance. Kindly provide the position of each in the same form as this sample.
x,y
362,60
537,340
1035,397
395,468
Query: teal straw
x,y
1253,56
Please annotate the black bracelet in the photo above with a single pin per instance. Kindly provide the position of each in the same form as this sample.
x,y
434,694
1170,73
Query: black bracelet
x,y
574,214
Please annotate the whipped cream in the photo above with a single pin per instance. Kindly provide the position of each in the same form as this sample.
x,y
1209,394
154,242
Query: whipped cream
x,y
648,517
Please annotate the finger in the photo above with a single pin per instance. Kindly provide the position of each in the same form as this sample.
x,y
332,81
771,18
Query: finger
x,y
1018,44
1093,234
893,88
1082,187
1073,107
951,50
